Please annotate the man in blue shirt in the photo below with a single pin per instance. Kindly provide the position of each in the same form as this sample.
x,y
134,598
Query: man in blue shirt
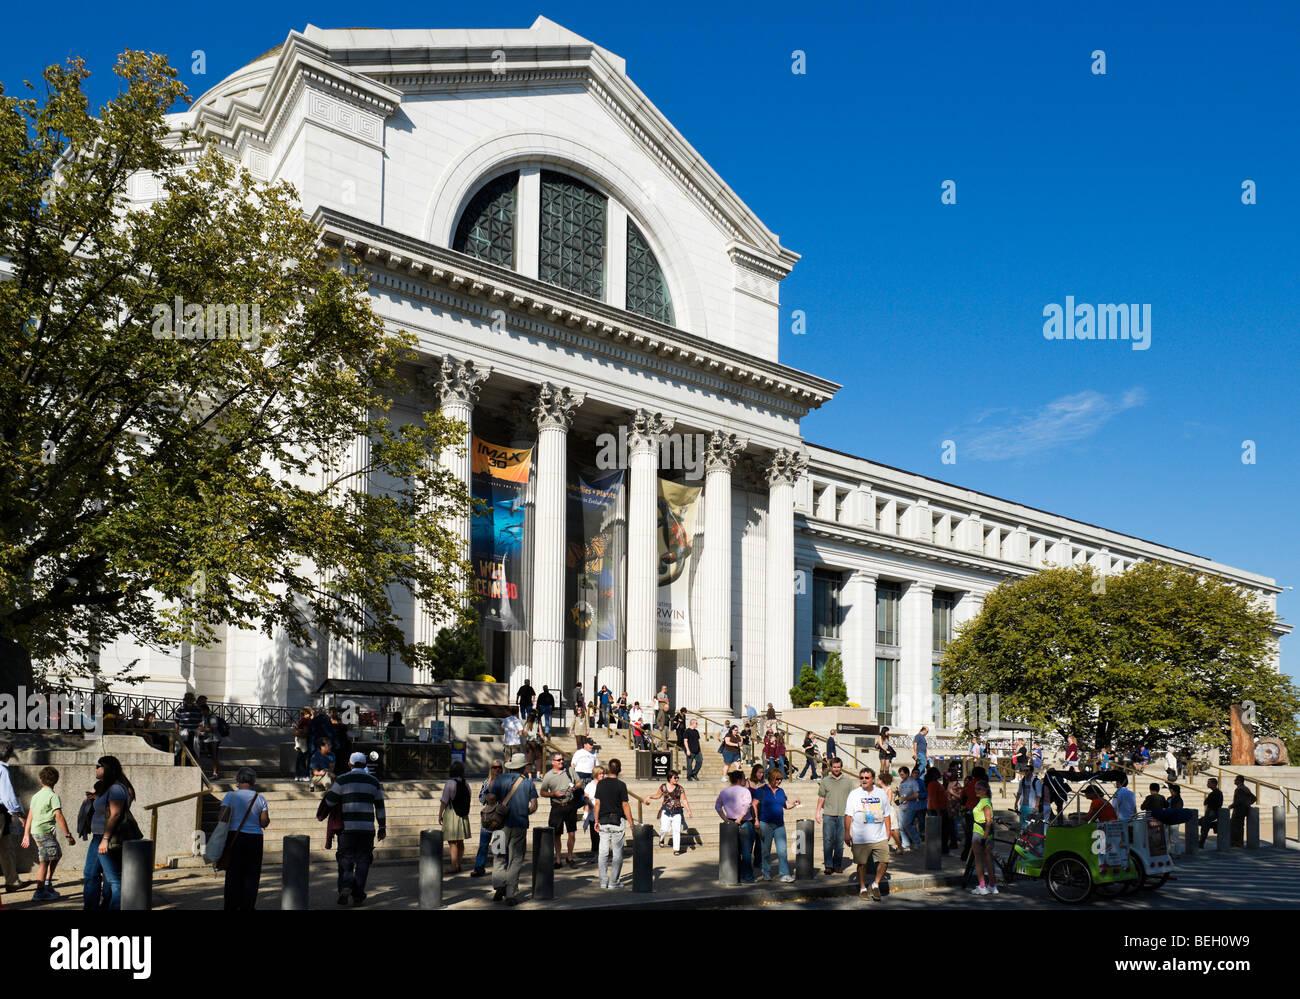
x,y
920,749
1125,801
510,843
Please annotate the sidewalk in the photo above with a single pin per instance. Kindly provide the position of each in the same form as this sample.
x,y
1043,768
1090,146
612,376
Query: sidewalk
x,y
686,881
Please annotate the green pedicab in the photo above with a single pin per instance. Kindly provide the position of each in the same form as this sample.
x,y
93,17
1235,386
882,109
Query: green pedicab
x,y
1076,860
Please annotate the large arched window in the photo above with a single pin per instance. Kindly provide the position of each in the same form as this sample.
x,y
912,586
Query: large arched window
x,y
572,249
487,229
574,223
647,291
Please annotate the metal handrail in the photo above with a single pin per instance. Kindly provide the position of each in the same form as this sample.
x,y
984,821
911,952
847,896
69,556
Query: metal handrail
x,y
198,811
1286,791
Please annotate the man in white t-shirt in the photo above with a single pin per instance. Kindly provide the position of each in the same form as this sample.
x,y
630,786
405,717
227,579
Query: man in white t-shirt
x,y
868,825
511,730
584,761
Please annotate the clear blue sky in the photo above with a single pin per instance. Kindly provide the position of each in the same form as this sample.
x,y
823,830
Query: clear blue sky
x,y
1117,188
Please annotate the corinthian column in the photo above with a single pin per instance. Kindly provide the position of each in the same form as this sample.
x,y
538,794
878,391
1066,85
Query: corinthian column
x,y
457,384
783,471
554,410
642,572
715,661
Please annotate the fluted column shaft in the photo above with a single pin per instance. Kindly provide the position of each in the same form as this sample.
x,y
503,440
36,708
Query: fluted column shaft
x,y
916,671
783,472
642,571
715,660
554,411
860,638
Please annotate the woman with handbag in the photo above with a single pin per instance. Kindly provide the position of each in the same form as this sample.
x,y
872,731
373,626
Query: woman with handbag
x,y
884,750
241,853
110,826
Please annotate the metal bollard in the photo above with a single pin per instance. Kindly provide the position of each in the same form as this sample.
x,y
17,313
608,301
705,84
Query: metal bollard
x,y
1192,832
1223,834
430,868
544,863
296,865
933,843
1279,827
729,853
805,829
137,875
1252,828
643,858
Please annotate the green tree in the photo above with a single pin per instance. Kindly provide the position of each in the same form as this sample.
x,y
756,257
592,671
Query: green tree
x,y
1155,655
161,482
833,691
457,652
807,690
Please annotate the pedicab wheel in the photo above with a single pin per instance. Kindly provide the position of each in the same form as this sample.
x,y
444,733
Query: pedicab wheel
x,y
1009,867
1069,880
1144,881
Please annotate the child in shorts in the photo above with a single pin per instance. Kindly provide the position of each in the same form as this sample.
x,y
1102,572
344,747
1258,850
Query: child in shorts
x,y
46,809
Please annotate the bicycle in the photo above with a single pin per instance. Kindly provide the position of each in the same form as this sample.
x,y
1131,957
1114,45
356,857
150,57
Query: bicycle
x,y
1004,862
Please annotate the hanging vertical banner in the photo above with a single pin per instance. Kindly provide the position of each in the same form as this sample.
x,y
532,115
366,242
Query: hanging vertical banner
x,y
675,530
589,557
499,476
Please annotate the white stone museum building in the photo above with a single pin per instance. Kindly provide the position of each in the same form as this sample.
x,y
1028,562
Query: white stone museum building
x,y
577,274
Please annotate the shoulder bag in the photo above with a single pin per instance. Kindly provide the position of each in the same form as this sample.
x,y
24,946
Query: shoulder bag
x,y
494,813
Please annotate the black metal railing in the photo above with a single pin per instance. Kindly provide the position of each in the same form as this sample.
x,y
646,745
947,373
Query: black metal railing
x,y
165,708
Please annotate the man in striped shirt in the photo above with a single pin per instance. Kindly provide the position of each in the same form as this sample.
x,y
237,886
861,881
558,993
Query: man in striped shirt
x,y
362,800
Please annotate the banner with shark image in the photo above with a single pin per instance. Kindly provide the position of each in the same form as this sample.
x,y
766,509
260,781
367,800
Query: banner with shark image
x,y
499,477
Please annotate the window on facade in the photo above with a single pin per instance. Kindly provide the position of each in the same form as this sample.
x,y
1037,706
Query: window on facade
x,y
572,249
647,291
826,604
942,614
487,228
888,597
886,688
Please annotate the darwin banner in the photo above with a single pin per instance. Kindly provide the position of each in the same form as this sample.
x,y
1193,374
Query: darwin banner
x,y
676,533
499,477
590,567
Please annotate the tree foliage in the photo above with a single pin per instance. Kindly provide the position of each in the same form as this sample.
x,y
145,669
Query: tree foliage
x,y
457,652
834,691
807,689
165,487
1155,655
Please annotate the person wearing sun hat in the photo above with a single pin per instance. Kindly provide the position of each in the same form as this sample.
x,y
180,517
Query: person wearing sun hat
x,y
362,799
521,804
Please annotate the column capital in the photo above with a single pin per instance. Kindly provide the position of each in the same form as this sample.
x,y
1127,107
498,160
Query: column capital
x,y
555,405
645,428
721,451
864,576
920,586
459,381
786,466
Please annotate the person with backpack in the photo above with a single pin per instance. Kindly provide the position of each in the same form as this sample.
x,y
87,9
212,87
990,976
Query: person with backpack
x,y
248,815
511,799
453,813
111,825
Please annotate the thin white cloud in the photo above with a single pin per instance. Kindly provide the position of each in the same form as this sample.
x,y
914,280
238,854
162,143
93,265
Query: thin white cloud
x,y
999,434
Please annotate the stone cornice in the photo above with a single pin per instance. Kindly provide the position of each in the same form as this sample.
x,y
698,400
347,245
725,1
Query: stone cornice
x,y
913,549
691,358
